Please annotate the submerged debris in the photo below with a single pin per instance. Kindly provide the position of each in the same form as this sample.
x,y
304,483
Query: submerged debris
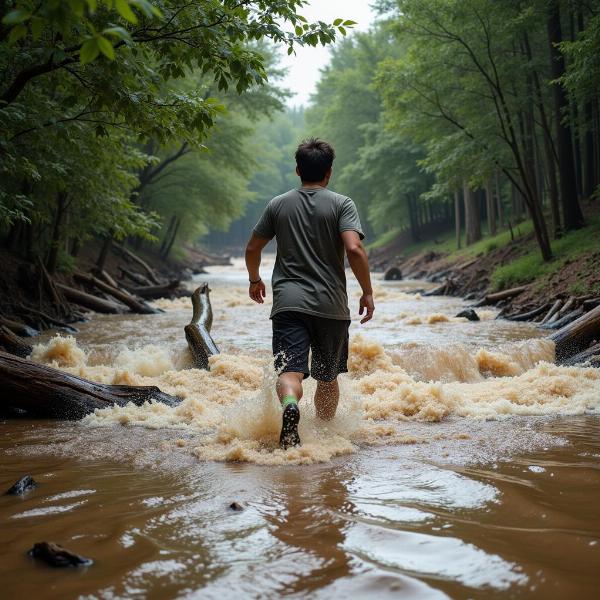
x,y
22,486
57,556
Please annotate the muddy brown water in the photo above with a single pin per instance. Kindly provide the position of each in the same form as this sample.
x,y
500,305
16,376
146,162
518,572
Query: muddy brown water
x,y
461,465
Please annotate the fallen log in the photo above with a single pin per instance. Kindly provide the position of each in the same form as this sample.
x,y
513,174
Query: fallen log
x,y
19,328
567,306
437,291
553,310
88,301
529,315
591,303
153,292
126,298
137,278
591,355
576,336
564,320
13,344
44,392
504,295
104,276
197,332
136,259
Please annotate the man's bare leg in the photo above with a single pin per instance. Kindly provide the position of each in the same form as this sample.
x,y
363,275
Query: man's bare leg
x,y
289,391
289,384
326,399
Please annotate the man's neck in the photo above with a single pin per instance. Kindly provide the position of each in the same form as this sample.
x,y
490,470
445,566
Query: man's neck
x,y
311,186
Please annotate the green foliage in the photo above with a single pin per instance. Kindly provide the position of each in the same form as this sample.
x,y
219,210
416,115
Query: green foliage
x,y
531,267
94,94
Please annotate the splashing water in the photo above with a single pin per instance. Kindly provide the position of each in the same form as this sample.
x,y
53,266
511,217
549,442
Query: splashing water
x,y
233,414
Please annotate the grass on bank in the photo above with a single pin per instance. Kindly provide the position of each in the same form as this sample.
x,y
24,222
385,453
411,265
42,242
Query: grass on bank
x,y
530,267
525,269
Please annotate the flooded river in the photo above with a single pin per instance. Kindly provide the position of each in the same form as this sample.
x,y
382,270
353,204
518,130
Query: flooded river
x,y
462,463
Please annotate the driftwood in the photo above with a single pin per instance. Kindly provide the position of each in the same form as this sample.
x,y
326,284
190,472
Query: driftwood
x,y
553,310
504,295
44,392
591,355
13,344
153,292
197,333
136,259
529,315
57,556
137,278
58,299
440,290
105,276
564,320
88,301
19,328
576,336
126,298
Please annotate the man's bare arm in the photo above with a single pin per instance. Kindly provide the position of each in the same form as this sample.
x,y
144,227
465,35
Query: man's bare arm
x,y
359,263
257,290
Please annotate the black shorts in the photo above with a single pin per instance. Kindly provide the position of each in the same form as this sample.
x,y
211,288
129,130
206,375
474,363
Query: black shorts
x,y
295,333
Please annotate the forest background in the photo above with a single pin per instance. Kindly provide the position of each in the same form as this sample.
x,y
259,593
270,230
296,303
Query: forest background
x,y
164,124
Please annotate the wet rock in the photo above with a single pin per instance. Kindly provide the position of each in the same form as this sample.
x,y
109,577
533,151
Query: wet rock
x,y
470,314
22,486
57,556
236,506
393,274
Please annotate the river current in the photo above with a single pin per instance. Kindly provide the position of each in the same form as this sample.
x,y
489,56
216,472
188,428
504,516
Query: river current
x,y
462,463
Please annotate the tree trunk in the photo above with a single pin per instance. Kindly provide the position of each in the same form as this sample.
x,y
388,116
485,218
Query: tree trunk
x,y
491,213
413,218
88,301
588,152
472,221
44,392
106,246
457,217
499,207
52,261
167,251
573,218
136,259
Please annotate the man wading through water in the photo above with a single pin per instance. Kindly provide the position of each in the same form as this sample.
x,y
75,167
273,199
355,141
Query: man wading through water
x,y
313,226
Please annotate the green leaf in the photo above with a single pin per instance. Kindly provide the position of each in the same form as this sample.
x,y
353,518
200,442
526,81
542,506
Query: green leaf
x,y
106,47
37,26
89,51
299,30
16,33
14,17
342,30
125,11
338,22
349,23
92,5
290,50
118,32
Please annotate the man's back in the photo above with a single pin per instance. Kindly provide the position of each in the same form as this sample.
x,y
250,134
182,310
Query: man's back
x,y
309,271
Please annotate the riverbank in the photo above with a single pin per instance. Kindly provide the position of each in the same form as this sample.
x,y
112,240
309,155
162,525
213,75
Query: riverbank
x,y
510,259
32,299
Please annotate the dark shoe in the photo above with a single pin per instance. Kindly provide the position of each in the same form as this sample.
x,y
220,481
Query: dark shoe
x,y
289,428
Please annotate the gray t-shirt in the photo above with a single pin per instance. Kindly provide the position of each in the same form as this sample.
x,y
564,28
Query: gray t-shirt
x,y
309,272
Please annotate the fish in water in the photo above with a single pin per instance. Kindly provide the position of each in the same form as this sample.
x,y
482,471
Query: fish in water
x,y
57,556
22,486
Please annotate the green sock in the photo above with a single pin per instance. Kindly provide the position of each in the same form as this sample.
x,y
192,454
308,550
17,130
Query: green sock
x,y
287,400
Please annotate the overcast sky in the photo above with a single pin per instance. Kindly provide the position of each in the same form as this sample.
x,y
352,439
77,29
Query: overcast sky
x,y
303,67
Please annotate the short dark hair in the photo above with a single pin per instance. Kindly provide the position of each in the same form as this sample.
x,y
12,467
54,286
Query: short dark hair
x,y
314,158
